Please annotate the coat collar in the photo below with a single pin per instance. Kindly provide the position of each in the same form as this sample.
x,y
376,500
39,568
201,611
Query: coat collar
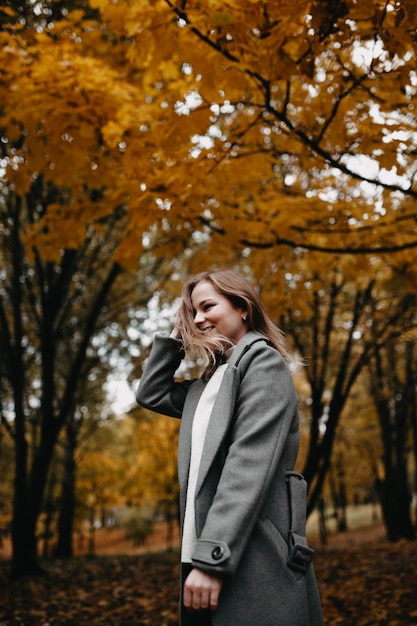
x,y
244,344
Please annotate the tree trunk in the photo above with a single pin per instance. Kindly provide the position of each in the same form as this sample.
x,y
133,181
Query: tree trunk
x,y
24,557
396,503
49,509
64,547
391,393
28,503
412,386
338,493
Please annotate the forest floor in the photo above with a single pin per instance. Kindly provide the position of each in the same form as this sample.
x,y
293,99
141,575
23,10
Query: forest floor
x,y
363,581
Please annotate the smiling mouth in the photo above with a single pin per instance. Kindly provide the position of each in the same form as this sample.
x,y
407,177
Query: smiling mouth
x,y
207,330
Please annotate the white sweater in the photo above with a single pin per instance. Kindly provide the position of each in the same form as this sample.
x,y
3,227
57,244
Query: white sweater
x,y
200,424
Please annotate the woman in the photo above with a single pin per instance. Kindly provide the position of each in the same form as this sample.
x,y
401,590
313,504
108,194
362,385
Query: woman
x,y
245,560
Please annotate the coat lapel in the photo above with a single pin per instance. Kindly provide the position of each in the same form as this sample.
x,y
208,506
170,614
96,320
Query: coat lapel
x,y
184,443
219,424
223,409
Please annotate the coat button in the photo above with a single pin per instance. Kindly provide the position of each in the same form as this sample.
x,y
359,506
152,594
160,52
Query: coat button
x,y
217,553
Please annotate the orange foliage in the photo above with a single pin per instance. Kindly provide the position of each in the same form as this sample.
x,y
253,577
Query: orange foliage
x,y
274,123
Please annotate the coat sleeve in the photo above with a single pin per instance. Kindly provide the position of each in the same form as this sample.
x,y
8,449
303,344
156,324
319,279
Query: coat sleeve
x,y
266,422
158,391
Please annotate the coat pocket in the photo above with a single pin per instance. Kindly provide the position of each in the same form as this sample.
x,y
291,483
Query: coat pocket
x,y
274,537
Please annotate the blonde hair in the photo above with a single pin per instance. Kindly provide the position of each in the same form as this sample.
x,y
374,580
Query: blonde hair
x,y
242,295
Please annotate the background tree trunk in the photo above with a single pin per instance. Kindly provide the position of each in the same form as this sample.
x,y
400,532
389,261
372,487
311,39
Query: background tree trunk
x,y
390,371
64,548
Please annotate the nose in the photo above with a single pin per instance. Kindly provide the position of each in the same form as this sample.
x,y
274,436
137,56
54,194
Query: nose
x,y
199,318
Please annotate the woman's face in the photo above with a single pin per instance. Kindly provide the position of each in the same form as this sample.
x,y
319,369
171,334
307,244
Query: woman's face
x,y
215,314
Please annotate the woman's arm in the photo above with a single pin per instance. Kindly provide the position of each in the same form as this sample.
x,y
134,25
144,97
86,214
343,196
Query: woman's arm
x,y
157,389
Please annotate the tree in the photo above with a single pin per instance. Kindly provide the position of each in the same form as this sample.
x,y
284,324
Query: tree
x,y
6,493
392,381
99,477
296,113
274,124
336,323
146,446
53,319
150,126
47,322
131,462
92,410
156,442
64,548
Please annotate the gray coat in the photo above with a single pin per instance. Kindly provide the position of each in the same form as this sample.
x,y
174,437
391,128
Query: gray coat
x,y
241,504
